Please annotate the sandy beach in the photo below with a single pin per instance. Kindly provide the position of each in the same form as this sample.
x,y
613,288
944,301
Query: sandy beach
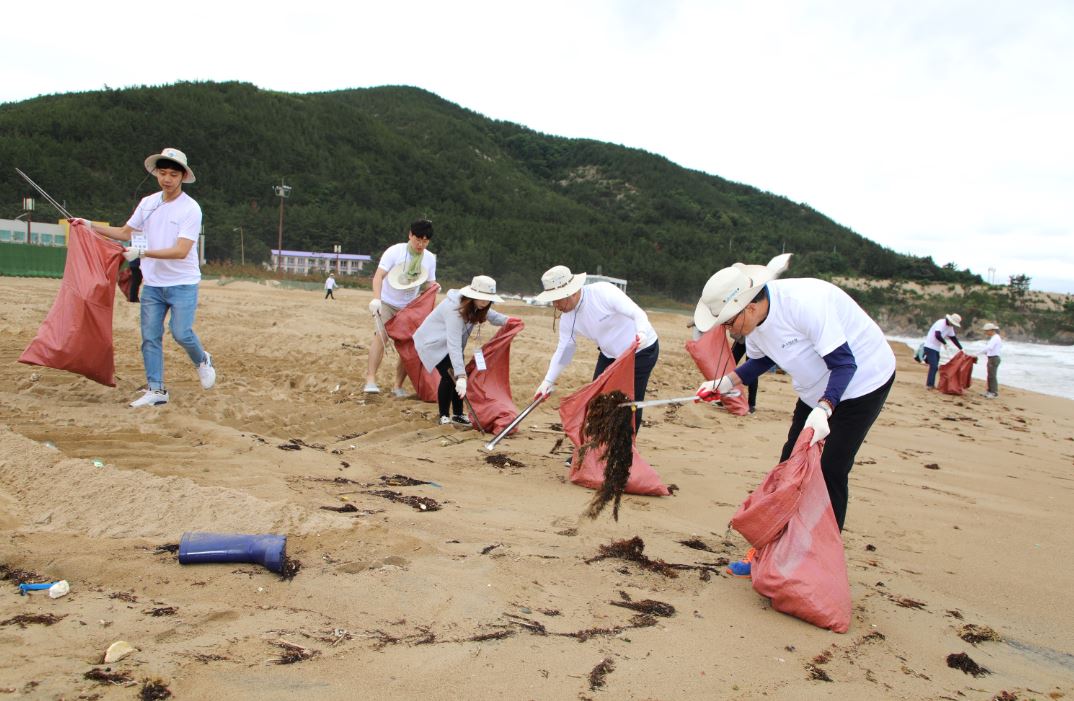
x,y
960,514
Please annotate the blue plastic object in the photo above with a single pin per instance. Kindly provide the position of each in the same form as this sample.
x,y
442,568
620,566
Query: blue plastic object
x,y
267,550
23,588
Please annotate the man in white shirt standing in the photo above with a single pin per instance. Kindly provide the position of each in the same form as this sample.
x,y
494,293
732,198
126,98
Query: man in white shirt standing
x,y
405,267
935,339
605,315
329,285
162,232
839,362
992,352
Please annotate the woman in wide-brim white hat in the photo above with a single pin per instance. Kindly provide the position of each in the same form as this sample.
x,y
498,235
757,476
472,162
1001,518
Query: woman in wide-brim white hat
x,y
443,335
604,314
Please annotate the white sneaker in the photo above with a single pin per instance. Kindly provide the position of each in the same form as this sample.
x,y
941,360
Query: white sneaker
x,y
371,388
445,420
152,397
207,372
399,392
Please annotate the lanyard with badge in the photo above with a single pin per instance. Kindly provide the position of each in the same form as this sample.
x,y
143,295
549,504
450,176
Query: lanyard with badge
x,y
479,356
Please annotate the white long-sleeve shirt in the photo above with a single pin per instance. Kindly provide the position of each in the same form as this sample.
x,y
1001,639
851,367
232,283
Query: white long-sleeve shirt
x,y
994,345
606,316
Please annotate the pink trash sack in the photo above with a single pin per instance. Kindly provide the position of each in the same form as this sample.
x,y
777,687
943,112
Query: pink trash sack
x,y
590,472
489,390
76,336
800,563
712,355
401,328
956,374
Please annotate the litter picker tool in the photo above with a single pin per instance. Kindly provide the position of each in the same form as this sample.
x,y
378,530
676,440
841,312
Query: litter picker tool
x,y
474,413
518,419
704,397
54,203
381,331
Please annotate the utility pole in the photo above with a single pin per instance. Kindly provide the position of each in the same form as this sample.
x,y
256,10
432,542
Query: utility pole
x,y
28,207
338,248
242,248
283,192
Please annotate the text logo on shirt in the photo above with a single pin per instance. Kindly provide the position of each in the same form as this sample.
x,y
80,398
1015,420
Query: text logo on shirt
x,y
789,343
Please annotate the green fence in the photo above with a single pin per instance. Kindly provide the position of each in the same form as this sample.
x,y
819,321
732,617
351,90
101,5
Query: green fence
x,y
22,260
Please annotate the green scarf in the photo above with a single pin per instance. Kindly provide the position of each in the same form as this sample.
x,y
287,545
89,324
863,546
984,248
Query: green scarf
x,y
413,266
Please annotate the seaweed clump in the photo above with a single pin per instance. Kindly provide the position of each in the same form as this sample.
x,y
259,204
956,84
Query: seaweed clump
x,y
610,426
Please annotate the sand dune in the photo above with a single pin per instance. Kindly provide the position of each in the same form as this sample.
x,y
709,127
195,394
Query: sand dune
x,y
960,514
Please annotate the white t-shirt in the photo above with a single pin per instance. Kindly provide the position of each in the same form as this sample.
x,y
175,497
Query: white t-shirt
x,y
994,345
396,254
807,320
606,316
163,224
945,329
329,283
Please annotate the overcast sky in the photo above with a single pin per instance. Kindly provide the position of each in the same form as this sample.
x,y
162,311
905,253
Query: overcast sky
x,y
940,128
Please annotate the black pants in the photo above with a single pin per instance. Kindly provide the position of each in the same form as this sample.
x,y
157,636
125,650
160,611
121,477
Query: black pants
x,y
644,361
738,350
849,423
328,293
445,394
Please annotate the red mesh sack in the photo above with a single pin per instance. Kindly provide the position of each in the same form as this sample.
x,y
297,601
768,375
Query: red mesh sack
x,y
955,374
489,390
76,335
800,563
590,472
401,328
712,355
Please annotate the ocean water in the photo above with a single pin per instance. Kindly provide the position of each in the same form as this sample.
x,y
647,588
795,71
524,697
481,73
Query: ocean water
x,y
1034,366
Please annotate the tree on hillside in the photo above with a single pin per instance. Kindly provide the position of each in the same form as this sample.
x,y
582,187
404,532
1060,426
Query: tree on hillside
x,y
1018,289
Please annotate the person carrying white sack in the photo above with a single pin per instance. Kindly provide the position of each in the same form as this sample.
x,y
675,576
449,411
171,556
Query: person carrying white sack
x,y
839,362
442,337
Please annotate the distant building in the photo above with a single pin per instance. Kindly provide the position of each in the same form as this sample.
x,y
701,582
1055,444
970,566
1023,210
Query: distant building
x,y
41,233
307,262
617,281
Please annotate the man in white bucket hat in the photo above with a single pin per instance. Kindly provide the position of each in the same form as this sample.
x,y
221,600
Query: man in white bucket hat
x,y
604,314
992,352
162,233
442,338
402,271
935,339
839,362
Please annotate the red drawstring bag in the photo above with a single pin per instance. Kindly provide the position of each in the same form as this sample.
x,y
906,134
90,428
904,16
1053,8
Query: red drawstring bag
x,y
955,374
590,472
712,355
800,563
76,336
489,390
401,328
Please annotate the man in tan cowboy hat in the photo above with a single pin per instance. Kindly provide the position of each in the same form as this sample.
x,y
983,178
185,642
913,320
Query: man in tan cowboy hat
x,y
604,314
838,360
405,267
935,339
162,233
992,352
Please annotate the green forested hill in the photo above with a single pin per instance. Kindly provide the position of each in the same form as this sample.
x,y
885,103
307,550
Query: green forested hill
x,y
506,201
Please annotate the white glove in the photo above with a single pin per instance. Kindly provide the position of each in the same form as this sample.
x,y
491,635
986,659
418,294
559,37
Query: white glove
x,y
818,421
131,253
722,385
460,386
544,389
374,306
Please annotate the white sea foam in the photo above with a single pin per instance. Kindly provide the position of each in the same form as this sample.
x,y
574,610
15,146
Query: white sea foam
x,y
1034,366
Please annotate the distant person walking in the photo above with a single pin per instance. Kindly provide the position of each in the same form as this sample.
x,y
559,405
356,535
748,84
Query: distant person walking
x,y
604,314
162,233
992,351
329,285
935,339
405,267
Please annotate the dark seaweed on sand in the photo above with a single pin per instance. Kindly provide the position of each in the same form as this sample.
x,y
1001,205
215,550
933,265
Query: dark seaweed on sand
x,y
289,568
964,662
24,619
596,677
154,690
611,426
104,676
418,503
632,550
649,606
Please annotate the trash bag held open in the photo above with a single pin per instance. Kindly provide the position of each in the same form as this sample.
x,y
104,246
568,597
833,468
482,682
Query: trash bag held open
x,y
401,328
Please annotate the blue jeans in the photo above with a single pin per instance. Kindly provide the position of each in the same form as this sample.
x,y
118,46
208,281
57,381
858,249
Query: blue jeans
x,y
932,357
182,300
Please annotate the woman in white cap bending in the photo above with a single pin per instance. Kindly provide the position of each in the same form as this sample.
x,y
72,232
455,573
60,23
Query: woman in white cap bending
x,y
605,315
443,335
936,338
840,365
